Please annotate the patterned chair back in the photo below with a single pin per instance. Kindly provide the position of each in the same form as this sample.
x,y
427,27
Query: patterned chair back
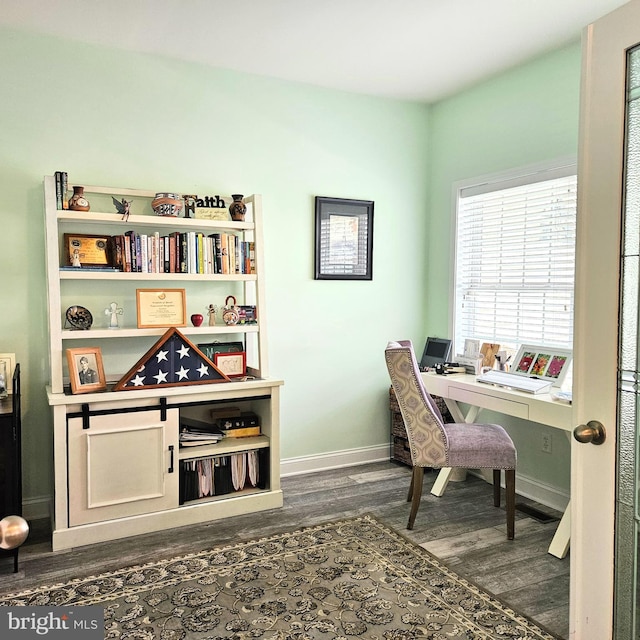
x,y
423,421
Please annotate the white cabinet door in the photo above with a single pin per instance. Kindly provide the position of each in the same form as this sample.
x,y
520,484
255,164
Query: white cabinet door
x,y
124,464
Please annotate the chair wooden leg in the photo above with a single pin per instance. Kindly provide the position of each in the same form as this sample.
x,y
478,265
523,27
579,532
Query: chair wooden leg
x,y
496,487
510,482
417,478
410,494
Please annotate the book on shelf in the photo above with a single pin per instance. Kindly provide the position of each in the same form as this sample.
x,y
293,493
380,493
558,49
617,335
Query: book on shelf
x,y
61,182
89,268
195,432
244,420
242,432
194,439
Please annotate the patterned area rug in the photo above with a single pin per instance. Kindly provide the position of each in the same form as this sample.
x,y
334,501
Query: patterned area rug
x,y
353,578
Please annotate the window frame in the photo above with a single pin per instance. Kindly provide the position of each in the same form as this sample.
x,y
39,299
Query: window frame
x,y
540,172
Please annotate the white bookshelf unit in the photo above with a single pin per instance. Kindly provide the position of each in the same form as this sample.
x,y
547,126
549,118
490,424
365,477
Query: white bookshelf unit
x,y
118,463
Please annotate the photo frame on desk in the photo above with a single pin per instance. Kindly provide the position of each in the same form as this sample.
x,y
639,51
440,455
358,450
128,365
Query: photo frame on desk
x,y
344,239
542,362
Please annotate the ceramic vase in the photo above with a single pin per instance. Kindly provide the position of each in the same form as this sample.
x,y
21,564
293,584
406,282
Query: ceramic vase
x,y
78,202
237,208
167,204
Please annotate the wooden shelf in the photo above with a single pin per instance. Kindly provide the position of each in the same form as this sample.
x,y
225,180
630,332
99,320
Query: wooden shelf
x,y
133,221
123,276
224,447
132,332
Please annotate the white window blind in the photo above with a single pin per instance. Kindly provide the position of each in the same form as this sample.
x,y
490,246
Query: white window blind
x,y
515,257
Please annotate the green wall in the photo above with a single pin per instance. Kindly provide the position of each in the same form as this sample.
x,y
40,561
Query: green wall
x,y
123,119
523,117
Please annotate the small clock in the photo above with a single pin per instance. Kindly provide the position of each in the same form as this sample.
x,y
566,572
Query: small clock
x,y
79,317
230,313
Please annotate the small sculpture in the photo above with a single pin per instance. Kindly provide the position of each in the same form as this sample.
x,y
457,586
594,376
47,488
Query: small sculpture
x,y
212,310
237,208
75,258
113,311
123,206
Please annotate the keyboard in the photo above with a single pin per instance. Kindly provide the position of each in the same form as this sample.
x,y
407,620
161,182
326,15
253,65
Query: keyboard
x,y
515,381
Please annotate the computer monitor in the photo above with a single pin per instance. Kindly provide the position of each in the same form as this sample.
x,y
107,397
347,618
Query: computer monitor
x,y
435,350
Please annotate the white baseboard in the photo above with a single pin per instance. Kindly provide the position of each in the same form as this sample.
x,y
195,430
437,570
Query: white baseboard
x,y
37,508
526,487
543,493
334,460
539,491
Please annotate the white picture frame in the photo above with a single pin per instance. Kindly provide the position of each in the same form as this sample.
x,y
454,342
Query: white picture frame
x,y
542,362
10,360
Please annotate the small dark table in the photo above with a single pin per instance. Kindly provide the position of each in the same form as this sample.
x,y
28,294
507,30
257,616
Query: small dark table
x,y
11,458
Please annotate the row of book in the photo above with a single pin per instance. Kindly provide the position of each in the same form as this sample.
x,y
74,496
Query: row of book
x,y
189,252
219,475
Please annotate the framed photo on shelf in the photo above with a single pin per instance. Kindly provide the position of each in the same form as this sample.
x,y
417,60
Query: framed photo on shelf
x,y
161,308
343,239
86,372
233,365
542,362
210,349
87,251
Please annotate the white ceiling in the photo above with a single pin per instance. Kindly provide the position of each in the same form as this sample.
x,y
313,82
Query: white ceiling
x,y
410,49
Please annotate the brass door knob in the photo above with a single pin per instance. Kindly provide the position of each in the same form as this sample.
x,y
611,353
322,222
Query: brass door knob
x,y
593,432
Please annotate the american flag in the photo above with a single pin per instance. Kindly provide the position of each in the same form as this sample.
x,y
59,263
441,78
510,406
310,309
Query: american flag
x,y
173,361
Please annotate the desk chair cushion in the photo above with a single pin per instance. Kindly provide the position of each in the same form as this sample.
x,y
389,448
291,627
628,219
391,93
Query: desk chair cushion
x,y
480,446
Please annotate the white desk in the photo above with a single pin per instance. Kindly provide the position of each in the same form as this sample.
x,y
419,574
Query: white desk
x,y
539,407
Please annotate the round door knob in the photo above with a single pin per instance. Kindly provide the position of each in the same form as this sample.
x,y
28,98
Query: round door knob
x,y
593,432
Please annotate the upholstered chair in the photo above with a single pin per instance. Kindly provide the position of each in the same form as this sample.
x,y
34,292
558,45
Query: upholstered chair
x,y
434,443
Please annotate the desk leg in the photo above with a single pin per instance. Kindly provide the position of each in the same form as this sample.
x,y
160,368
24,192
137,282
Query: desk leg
x,y
560,543
441,481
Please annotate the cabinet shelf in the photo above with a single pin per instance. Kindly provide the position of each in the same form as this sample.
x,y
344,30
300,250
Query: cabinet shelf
x,y
75,218
251,491
123,276
224,447
108,334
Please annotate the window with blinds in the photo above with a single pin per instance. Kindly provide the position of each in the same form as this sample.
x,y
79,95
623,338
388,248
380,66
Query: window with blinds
x,y
515,257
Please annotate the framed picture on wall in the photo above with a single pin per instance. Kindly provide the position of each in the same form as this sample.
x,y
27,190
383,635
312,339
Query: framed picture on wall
x,y
344,239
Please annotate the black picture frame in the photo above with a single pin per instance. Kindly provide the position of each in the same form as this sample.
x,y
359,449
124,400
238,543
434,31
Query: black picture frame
x,y
344,239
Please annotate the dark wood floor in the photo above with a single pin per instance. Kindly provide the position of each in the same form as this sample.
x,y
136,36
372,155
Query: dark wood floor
x,y
462,528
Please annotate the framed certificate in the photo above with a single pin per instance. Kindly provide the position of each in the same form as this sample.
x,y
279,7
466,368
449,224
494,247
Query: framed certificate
x,y
161,308
87,251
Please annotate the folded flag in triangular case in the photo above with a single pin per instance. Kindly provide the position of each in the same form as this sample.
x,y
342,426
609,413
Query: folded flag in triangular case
x,y
172,362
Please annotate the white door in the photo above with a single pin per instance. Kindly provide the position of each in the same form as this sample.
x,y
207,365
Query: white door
x,y
606,301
